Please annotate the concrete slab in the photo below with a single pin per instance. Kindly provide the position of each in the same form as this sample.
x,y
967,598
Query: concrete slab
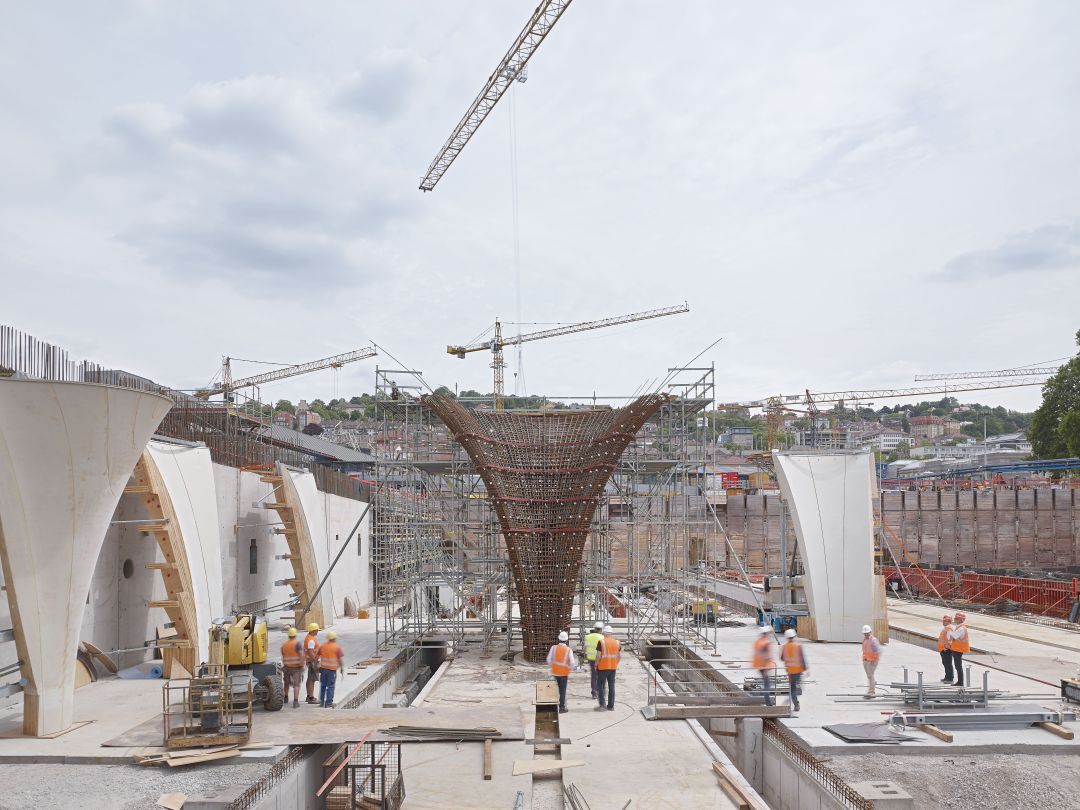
x,y
113,707
835,681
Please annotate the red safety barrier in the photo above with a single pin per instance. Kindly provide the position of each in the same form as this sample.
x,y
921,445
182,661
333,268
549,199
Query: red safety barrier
x,y
1047,597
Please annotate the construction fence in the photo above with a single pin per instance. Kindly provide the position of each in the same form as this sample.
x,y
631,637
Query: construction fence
x,y
1046,597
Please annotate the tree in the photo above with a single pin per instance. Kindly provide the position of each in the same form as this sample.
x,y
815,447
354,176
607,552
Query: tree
x,y
1055,427
284,405
312,429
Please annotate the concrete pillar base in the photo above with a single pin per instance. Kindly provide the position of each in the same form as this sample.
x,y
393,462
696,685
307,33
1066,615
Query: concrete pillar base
x,y
885,795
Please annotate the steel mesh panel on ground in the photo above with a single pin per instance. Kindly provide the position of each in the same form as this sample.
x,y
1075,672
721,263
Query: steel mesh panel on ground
x,y
544,474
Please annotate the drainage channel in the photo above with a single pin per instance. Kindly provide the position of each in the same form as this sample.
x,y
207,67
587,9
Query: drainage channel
x,y
547,786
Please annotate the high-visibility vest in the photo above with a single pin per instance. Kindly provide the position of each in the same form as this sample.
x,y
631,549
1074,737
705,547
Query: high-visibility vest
x,y
868,651
329,655
943,639
560,660
763,657
960,642
311,646
292,654
792,656
591,641
609,654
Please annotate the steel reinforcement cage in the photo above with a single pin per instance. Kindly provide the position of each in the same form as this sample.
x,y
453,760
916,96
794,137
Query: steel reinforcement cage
x,y
439,559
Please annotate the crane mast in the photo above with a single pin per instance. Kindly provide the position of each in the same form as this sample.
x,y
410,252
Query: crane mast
x,y
509,69
497,343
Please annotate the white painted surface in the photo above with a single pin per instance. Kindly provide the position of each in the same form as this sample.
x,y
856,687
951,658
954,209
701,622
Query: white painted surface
x,y
830,496
66,453
313,514
189,478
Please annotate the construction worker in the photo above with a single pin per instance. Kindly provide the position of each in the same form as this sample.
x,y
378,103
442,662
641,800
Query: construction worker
x,y
944,646
960,643
330,669
591,640
795,663
608,656
871,654
562,660
764,662
292,660
311,656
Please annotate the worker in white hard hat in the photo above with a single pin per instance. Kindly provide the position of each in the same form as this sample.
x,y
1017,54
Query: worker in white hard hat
x,y
311,657
608,656
959,643
871,654
562,660
591,640
944,646
795,663
764,662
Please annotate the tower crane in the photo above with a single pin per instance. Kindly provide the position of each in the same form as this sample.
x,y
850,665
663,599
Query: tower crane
x,y
976,375
509,69
775,406
498,342
228,384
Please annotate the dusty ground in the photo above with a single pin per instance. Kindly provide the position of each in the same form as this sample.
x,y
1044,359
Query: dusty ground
x,y
35,787
985,782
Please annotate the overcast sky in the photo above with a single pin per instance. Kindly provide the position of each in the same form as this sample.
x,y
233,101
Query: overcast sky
x,y
846,193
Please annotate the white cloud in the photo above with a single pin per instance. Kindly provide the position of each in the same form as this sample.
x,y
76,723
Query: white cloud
x,y
1051,247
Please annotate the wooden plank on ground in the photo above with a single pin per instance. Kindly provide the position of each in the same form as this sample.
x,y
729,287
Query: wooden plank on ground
x,y
198,759
729,787
547,693
172,801
524,766
934,731
487,759
1059,730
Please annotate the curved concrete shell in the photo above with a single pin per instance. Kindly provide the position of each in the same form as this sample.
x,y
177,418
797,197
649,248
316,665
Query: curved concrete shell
x,y
544,474
181,478
66,452
830,496
300,492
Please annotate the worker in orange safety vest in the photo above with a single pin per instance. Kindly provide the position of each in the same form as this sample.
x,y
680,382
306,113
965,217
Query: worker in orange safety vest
x,y
764,662
959,643
330,669
871,654
944,646
292,661
608,656
795,663
562,660
311,658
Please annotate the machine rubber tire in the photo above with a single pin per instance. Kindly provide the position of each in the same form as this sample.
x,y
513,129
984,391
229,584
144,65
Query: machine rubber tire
x,y
275,693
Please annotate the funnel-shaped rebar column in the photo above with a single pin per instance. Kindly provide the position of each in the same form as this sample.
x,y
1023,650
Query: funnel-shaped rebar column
x,y
66,452
544,474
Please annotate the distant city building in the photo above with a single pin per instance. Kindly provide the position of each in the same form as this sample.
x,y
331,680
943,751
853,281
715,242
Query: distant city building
x,y
927,427
739,436
884,439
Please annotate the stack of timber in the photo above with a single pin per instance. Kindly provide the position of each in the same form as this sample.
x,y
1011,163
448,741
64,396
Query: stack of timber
x,y
437,734
177,759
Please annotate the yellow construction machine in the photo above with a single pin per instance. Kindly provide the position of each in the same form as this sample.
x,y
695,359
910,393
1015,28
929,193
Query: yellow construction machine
x,y
241,644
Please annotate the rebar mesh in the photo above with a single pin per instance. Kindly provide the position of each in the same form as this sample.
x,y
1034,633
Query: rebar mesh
x,y
544,473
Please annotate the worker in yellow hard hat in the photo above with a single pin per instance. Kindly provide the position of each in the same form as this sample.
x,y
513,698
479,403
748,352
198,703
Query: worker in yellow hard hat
x,y
292,660
330,669
311,657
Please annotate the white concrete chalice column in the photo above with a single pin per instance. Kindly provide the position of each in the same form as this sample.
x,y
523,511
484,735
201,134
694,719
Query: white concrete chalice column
x,y
66,452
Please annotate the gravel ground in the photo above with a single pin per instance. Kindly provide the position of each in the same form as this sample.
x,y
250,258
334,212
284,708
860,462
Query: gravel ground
x,y
967,782
116,787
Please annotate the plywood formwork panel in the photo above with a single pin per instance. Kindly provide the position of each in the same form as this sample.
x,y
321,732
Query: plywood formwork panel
x,y
66,453
300,507
830,496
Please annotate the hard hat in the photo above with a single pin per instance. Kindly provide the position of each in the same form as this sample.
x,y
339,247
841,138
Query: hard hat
x,y
607,630
331,635
867,628
765,629
564,636
789,633
292,632
960,616
946,618
313,628
598,626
